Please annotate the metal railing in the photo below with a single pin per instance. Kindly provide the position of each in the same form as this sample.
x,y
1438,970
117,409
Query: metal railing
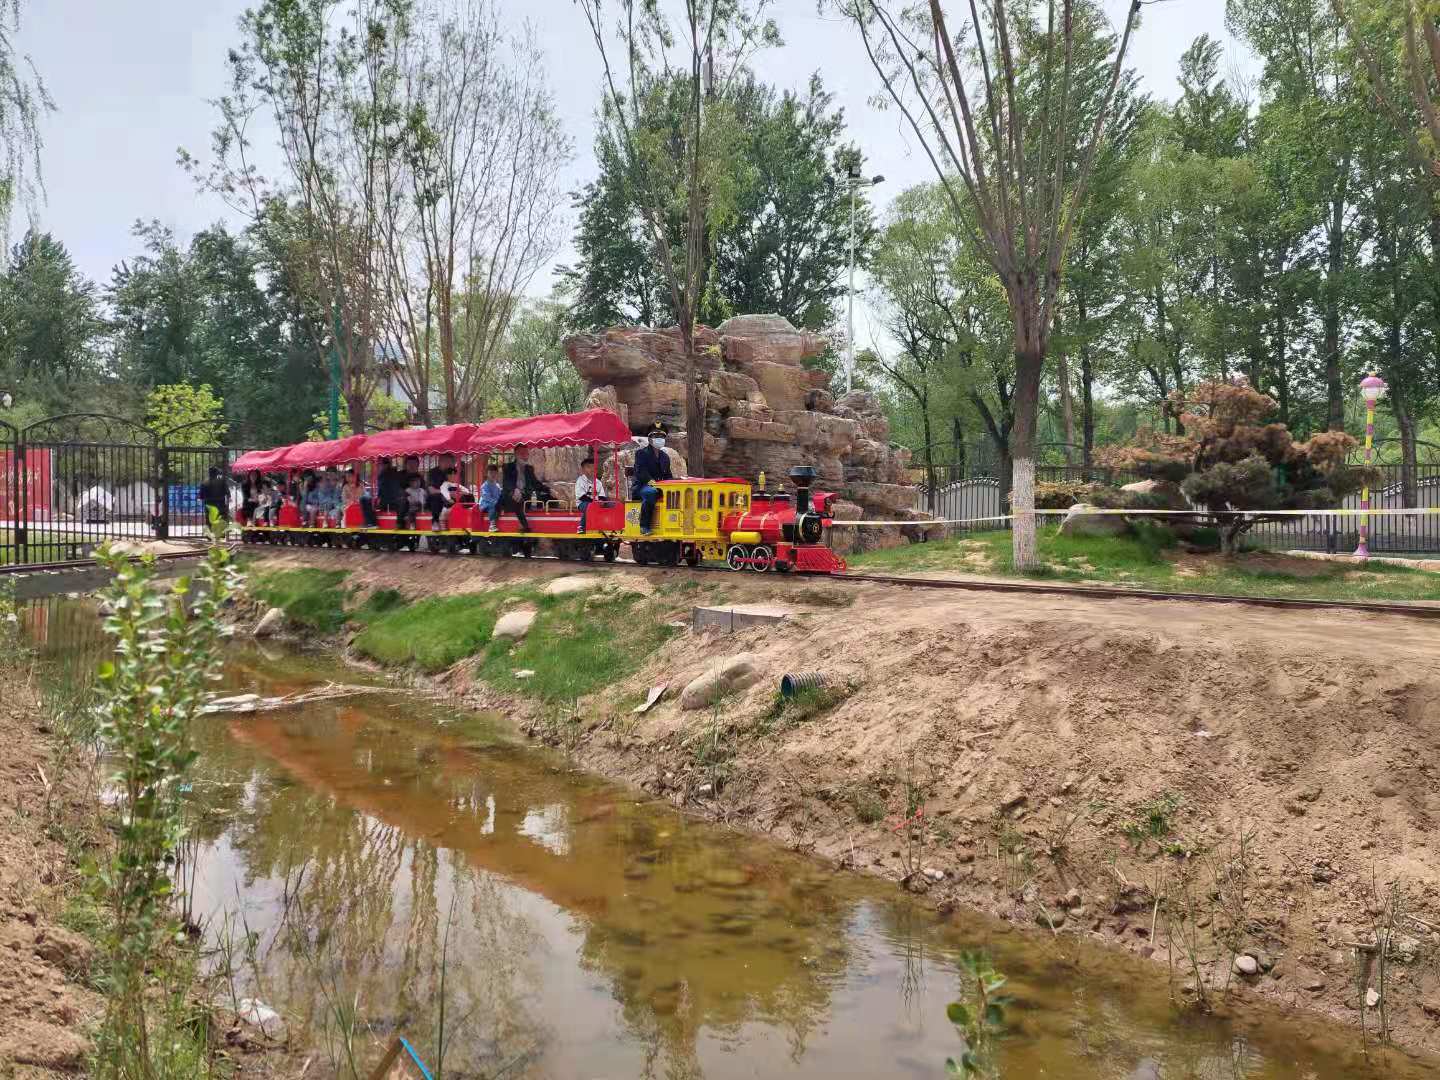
x,y
963,495
70,482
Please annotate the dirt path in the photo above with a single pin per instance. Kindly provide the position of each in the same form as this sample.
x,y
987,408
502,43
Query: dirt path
x,y
1184,780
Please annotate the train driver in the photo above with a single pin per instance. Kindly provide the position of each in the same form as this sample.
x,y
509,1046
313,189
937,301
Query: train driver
x,y
651,464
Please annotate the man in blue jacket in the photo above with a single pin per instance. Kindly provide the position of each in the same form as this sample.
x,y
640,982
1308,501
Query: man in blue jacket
x,y
651,464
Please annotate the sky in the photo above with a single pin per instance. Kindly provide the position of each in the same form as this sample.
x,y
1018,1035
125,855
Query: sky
x,y
134,80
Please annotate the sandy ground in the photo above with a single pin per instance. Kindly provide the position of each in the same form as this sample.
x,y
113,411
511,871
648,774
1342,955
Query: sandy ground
x,y
1269,778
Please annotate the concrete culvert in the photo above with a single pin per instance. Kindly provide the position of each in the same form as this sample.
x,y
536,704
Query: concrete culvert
x,y
792,684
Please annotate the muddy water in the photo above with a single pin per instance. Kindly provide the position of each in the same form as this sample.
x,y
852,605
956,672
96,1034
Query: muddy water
x,y
385,855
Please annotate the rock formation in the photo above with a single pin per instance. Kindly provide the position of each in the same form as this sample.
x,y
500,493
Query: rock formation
x,y
764,410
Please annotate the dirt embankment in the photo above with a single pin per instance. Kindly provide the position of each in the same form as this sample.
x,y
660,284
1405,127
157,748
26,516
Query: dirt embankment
x,y
44,1004
1248,795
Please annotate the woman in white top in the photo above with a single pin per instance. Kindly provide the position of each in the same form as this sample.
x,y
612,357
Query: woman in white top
x,y
588,488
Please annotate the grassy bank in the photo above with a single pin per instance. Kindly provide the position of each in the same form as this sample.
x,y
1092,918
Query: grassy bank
x,y
578,643
1153,559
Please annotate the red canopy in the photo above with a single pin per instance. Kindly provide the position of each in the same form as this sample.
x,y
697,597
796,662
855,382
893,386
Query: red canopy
x,y
451,439
320,455
594,427
258,460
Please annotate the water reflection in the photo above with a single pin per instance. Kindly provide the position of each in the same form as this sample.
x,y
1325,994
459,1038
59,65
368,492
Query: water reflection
x,y
379,848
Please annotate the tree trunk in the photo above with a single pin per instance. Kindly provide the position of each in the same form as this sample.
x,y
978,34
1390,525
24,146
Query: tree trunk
x,y
357,405
1029,364
1409,455
957,433
694,406
1334,388
930,484
1087,409
1067,406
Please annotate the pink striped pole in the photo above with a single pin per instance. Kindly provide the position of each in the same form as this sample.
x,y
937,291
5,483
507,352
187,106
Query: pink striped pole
x,y
1372,388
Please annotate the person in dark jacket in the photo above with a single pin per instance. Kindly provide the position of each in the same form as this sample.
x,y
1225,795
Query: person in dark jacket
x,y
391,489
216,492
519,483
651,464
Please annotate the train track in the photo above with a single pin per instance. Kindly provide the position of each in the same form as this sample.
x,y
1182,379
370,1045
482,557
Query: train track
x,y
1089,592
21,569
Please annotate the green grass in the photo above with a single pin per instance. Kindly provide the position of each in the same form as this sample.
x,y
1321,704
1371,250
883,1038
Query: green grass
x,y
433,633
309,597
578,643
1153,560
380,602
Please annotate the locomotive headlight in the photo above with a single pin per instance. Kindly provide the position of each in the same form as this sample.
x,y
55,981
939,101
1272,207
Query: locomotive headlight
x,y
808,528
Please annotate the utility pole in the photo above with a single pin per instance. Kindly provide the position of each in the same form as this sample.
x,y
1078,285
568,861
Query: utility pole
x,y
855,180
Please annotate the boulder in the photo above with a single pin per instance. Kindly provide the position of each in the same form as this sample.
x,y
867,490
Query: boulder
x,y
1081,520
575,583
740,427
784,386
1165,494
748,338
270,623
514,624
726,676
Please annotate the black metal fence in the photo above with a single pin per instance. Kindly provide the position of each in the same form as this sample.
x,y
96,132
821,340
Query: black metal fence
x,y
68,483
965,495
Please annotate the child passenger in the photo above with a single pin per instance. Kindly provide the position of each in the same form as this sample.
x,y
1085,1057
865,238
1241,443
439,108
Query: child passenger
x,y
490,496
588,488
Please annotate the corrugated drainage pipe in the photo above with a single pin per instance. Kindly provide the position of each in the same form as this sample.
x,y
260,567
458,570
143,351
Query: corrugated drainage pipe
x,y
790,685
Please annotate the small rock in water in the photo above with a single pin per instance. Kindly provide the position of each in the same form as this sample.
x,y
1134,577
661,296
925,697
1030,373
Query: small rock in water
x,y
1372,998
1246,965
270,622
259,1015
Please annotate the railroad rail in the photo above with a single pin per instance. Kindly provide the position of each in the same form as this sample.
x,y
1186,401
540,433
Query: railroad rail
x,y
1415,610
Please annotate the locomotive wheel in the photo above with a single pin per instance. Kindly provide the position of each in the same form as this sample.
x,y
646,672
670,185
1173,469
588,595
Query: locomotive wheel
x,y
612,552
640,553
669,553
692,556
586,552
763,559
735,557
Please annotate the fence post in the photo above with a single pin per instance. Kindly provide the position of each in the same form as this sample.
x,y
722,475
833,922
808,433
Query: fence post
x,y
22,504
162,474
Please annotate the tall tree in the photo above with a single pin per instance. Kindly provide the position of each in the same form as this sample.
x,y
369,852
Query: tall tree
x,y
782,251
534,375
24,101
49,314
1308,76
666,167
471,205
1012,115
324,76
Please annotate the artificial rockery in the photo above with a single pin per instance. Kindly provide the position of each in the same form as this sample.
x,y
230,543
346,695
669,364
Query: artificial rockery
x,y
765,411
1223,456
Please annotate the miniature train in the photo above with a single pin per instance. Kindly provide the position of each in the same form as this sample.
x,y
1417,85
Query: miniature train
x,y
718,520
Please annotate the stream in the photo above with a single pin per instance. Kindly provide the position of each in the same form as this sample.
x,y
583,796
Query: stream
x,y
384,854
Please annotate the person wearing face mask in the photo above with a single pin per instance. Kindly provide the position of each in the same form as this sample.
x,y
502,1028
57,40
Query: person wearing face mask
x,y
651,464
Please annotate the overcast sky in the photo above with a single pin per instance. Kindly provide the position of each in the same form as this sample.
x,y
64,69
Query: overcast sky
x,y
133,81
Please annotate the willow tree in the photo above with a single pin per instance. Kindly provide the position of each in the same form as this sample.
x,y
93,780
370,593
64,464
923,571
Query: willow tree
x,y
677,169
995,98
1416,23
23,102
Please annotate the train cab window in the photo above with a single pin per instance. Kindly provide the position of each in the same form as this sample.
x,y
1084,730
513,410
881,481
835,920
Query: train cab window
x,y
672,500
706,500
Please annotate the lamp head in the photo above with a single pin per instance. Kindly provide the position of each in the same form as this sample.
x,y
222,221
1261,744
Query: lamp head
x,y
877,179
1372,388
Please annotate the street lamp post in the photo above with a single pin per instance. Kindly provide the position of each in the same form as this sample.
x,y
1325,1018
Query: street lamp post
x,y
855,181
1372,389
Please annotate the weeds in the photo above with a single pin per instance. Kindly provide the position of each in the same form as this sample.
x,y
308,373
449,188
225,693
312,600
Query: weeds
x,y
801,707
869,807
309,597
1153,821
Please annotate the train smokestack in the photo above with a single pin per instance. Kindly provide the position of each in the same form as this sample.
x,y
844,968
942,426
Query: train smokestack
x,y
802,476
